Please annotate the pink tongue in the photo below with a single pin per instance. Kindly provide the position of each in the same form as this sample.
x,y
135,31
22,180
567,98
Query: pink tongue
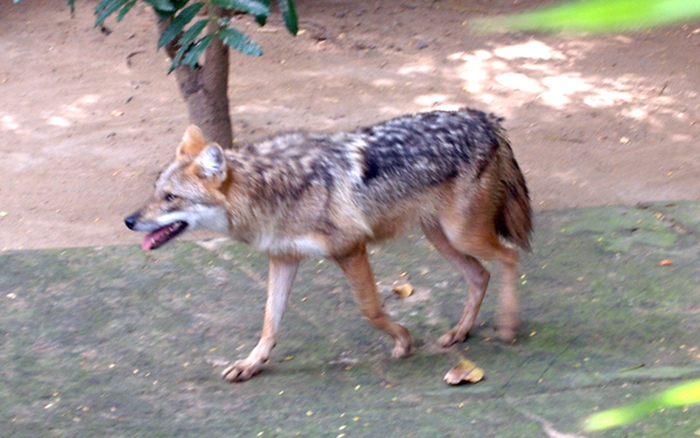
x,y
153,238
147,243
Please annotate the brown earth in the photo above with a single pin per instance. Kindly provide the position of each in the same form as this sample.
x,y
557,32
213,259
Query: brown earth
x,y
88,116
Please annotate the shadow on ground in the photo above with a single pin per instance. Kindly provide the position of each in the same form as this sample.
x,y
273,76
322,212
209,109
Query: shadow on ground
x,y
117,342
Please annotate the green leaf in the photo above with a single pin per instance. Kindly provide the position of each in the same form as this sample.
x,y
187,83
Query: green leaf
x,y
238,40
193,54
179,23
192,33
686,394
262,19
289,14
162,5
101,5
186,41
683,395
125,10
105,8
595,16
164,8
252,7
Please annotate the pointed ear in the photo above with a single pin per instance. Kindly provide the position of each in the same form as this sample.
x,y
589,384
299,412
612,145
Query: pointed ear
x,y
212,162
191,144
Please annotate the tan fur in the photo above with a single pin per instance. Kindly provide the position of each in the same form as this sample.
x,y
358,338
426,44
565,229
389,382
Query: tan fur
x,y
287,198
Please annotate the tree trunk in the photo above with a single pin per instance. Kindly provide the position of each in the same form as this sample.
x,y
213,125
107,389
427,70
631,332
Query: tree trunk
x,y
205,88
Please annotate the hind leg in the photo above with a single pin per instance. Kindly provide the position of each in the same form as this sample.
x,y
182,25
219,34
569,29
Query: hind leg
x,y
507,320
475,275
479,239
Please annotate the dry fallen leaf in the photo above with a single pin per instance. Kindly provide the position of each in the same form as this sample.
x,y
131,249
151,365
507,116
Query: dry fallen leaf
x,y
404,291
665,262
465,371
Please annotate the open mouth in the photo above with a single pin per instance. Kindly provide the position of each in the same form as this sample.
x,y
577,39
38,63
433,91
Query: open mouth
x,y
163,235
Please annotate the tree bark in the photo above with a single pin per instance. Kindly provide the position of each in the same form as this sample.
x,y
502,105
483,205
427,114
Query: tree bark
x,y
205,88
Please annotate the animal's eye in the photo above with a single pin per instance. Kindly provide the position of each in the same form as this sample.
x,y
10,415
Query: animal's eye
x,y
169,197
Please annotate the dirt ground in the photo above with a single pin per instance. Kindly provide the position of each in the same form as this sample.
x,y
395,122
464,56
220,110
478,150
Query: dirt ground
x,y
88,116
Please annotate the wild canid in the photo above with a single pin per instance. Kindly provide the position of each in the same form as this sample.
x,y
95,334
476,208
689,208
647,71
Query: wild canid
x,y
300,194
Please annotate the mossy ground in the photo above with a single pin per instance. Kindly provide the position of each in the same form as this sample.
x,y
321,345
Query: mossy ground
x,y
116,342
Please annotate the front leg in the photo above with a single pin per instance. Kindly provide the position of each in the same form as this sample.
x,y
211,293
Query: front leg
x,y
358,271
279,283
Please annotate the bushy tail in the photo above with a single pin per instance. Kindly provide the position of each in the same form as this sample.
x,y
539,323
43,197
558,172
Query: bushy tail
x,y
514,216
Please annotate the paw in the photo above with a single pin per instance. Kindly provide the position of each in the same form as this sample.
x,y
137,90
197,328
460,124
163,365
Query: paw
x,y
402,349
452,337
506,334
403,343
508,325
240,371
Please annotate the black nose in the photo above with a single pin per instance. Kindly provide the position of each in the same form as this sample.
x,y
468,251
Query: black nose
x,y
131,221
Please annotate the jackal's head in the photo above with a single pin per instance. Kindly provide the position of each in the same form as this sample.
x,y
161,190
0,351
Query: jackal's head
x,y
187,194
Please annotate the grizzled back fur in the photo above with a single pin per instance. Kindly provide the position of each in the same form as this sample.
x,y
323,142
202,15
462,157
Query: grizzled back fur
x,y
413,152
384,168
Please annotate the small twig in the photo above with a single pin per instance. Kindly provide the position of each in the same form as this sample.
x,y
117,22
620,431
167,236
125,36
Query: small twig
x,y
131,55
324,34
636,367
673,223
551,362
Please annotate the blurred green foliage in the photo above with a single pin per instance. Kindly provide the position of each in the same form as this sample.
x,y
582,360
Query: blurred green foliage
x,y
682,395
192,39
595,16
